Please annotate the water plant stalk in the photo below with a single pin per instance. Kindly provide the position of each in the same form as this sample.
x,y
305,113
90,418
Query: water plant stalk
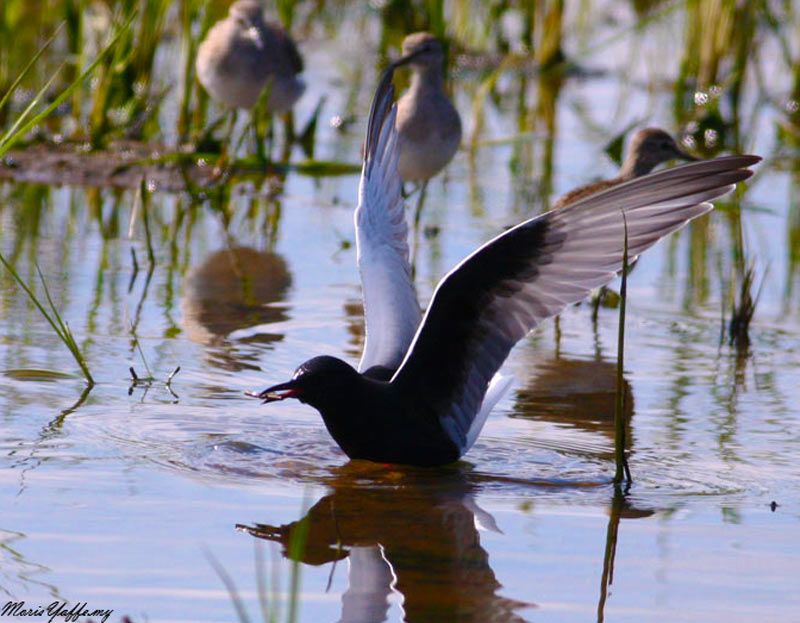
x,y
622,471
743,310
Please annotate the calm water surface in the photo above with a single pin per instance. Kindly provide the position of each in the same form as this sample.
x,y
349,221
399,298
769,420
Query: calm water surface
x,y
121,497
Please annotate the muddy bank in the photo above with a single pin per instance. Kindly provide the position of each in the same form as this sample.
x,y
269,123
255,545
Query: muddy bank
x,y
125,164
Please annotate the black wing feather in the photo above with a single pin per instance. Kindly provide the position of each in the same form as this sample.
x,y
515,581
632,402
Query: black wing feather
x,y
531,272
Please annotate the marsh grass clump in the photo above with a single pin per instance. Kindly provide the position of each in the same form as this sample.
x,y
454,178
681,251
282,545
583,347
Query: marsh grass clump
x,y
743,309
123,97
29,118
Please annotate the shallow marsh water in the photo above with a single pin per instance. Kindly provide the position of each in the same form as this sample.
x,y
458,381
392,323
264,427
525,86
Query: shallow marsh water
x,y
118,497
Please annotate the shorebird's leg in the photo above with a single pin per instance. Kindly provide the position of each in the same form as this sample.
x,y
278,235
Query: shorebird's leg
x,y
234,114
288,126
405,193
415,233
288,135
207,134
259,133
262,125
225,149
305,138
242,137
595,301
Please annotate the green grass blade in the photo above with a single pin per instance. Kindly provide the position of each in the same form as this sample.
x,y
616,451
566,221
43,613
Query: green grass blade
x,y
58,325
68,338
30,64
36,374
31,295
13,130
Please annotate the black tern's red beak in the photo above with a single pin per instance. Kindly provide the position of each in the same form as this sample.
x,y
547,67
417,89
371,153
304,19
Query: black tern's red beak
x,y
282,391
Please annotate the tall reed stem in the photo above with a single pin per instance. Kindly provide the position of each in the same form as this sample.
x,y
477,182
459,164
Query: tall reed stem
x,y
622,472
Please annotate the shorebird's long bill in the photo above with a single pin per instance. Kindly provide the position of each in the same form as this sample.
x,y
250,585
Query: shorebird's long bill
x,y
405,60
685,155
282,391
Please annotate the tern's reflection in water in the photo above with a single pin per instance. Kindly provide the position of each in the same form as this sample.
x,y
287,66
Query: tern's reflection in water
x,y
415,533
577,393
232,289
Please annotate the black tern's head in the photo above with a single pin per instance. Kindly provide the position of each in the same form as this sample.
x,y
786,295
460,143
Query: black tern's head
x,y
317,382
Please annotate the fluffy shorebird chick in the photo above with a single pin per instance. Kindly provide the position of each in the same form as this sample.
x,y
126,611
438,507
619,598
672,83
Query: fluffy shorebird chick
x,y
648,148
243,54
428,125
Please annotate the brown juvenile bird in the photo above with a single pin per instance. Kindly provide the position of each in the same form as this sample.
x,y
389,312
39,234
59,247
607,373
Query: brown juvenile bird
x,y
648,148
428,124
243,54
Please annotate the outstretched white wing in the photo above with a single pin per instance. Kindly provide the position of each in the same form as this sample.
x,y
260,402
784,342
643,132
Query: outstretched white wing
x,y
498,294
391,309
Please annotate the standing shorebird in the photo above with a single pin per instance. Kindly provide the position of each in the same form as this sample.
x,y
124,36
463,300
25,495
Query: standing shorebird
x,y
426,384
428,125
648,148
244,54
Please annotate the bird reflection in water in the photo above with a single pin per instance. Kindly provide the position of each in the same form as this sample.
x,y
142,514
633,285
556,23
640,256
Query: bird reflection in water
x,y
579,394
234,288
414,533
